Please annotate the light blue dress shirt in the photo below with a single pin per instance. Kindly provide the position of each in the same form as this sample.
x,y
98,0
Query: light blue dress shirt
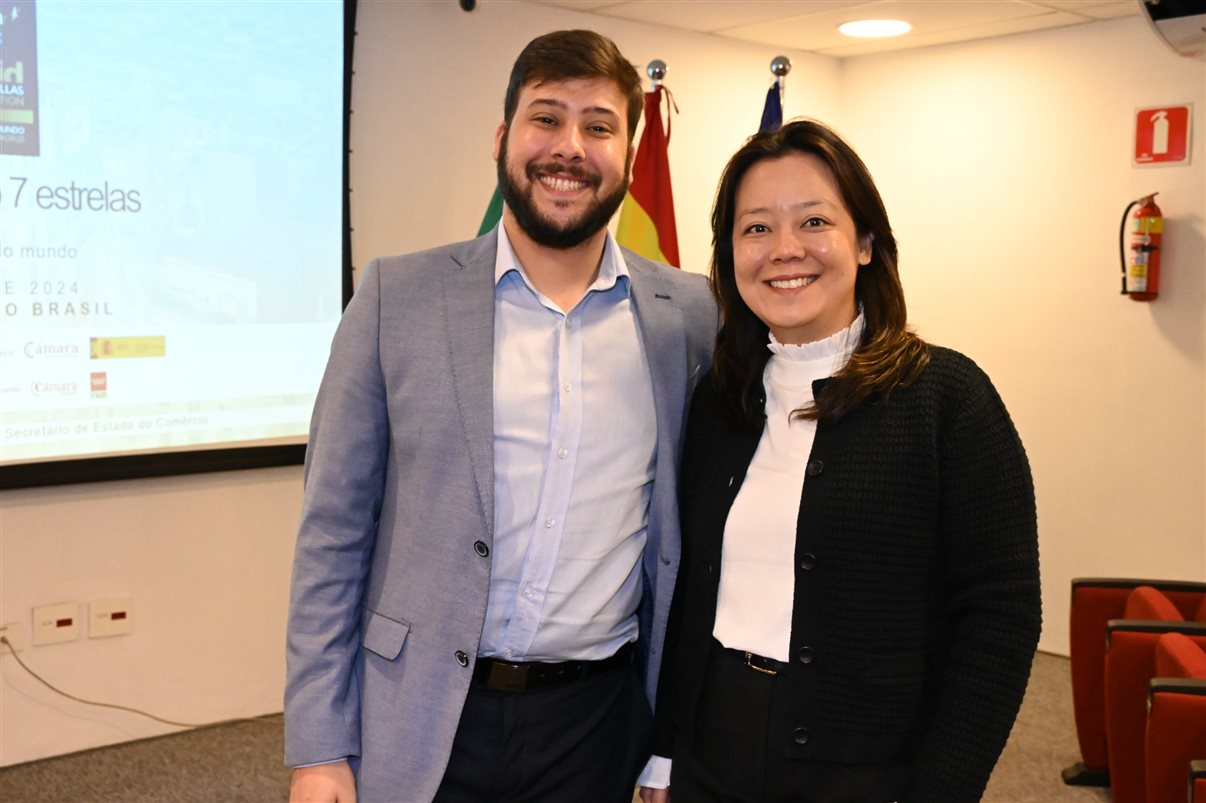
x,y
575,437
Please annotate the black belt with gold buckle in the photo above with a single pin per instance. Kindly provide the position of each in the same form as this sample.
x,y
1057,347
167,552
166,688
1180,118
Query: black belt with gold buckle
x,y
767,666
523,675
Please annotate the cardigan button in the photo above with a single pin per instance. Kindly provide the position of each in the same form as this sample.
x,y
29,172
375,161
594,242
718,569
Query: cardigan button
x,y
800,736
481,549
462,658
808,561
806,655
815,467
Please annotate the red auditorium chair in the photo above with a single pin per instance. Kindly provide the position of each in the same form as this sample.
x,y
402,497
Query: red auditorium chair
x,y
1095,601
1130,666
1176,720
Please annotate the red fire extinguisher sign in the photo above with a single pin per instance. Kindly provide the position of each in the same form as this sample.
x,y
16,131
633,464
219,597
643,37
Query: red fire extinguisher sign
x,y
1162,135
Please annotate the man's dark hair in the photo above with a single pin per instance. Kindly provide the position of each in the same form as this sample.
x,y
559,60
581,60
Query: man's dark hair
x,y
562,55
888,356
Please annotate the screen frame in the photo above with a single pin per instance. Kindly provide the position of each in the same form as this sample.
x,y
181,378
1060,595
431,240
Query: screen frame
x,y
203,460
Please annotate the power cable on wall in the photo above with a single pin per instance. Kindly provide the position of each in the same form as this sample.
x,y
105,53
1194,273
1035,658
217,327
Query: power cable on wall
x,y
190,725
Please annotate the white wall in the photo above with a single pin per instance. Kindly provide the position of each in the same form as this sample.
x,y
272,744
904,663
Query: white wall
x,y
1008,254
206,559
1006,165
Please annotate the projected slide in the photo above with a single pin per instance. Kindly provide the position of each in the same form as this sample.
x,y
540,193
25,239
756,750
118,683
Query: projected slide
x,y
170,222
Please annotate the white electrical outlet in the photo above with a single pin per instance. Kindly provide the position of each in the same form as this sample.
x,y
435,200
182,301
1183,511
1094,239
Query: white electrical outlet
x,y
15,633
111,616
53,624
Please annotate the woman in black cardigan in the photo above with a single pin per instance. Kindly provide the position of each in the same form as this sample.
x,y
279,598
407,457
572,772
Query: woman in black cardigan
x,y
858,600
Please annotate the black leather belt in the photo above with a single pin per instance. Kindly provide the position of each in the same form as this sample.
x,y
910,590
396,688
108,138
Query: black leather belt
x,y
758,663
767,666
522,675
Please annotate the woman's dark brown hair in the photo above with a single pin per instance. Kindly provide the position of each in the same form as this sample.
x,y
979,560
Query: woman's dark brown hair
x,y
888,355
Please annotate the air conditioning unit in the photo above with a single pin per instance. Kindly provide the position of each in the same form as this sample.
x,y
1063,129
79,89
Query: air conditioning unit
x,y
1179,23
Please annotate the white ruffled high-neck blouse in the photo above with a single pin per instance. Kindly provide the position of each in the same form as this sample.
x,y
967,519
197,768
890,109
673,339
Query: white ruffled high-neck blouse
x,y
757,566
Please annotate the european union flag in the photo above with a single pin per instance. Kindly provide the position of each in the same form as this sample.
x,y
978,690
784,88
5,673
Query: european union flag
x,y
772,112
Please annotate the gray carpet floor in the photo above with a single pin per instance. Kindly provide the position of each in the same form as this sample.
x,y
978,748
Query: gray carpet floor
x,y
241,763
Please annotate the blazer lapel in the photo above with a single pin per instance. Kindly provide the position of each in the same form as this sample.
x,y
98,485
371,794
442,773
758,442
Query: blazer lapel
x,y
468,316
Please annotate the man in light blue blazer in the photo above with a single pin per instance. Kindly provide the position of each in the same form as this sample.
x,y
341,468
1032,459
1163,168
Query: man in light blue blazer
x,y
489,538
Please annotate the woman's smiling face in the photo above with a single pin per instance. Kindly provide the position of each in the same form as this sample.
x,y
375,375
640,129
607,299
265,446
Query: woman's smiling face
x,y
796,251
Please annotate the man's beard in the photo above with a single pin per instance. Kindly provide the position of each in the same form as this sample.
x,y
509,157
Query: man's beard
x,y
543,231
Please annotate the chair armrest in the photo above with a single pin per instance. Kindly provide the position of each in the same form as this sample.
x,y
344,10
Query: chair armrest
x,y
1197,780
1175,736
1155,627
1131,582
1194,687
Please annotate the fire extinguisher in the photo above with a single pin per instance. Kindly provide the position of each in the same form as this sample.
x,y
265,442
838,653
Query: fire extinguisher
x,y
1141,261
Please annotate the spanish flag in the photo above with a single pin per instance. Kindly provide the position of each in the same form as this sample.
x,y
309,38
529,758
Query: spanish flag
x,y
647,216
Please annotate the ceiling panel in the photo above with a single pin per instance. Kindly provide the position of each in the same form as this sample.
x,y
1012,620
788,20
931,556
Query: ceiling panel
x,y
811,25
1095,9
579,5
712,15
818,31
1053,19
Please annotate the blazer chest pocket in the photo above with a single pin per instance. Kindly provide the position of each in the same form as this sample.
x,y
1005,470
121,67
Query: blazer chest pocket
x,y
383,635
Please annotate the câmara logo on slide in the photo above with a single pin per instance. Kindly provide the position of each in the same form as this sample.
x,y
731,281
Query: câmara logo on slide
x,y
54,388
42,348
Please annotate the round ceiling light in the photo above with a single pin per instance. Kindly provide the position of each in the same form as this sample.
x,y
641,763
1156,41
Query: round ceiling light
x,y
875,29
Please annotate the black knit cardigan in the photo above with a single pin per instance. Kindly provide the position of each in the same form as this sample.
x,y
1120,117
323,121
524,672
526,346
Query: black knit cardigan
x,y
917,604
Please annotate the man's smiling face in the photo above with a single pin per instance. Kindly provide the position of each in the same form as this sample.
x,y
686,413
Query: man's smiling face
x,y
564,159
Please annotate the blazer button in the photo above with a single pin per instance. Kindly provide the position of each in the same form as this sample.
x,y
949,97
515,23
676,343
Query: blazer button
x,y
481,549
815,467
461,658
806,655
808,561
800,736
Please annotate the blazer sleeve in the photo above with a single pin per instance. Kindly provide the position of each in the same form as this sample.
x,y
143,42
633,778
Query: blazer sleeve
x,y
344,480
989,530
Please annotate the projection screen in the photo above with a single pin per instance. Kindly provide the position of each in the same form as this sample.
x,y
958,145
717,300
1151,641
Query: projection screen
x,y
173,237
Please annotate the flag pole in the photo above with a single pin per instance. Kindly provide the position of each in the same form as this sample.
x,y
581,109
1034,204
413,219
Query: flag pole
x,y
780,66
656,70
